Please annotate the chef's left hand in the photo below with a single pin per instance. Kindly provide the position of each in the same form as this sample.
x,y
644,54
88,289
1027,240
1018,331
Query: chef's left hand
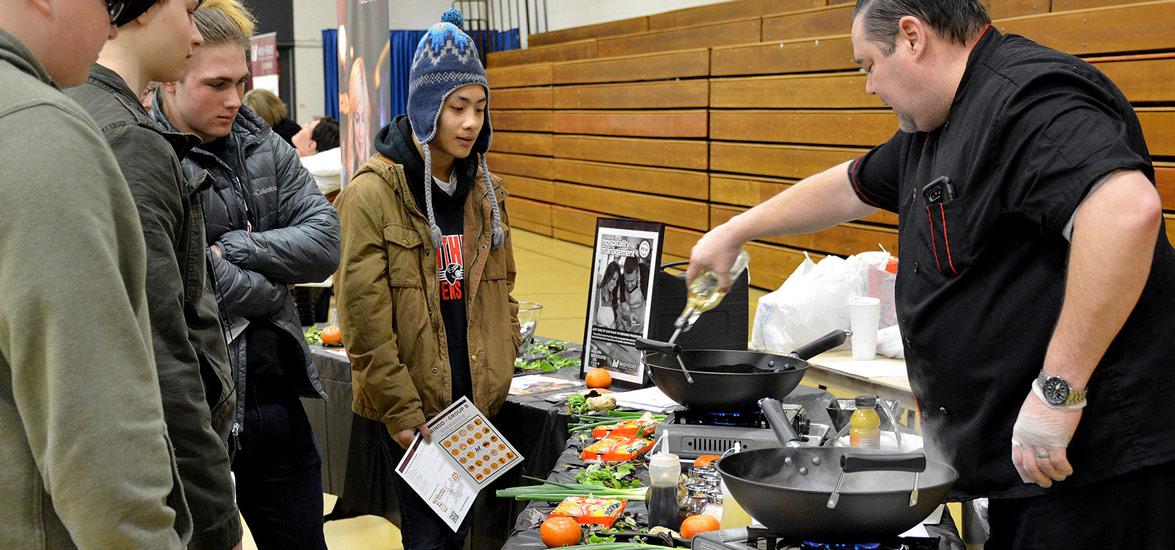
x,y
1040,438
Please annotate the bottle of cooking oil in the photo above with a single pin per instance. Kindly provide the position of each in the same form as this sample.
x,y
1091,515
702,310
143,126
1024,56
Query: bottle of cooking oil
x,y
704,294
865,431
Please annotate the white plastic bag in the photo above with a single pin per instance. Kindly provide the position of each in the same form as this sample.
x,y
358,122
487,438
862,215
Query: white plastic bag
x,y
814,300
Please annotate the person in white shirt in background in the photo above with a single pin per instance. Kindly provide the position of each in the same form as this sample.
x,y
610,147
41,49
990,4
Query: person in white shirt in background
x,y
318,148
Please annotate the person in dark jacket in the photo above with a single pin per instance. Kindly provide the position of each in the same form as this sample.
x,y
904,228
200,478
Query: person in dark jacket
x,y
191,358
268,228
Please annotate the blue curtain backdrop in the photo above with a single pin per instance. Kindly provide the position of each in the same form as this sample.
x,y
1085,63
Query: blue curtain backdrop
x,y
330,67
403,46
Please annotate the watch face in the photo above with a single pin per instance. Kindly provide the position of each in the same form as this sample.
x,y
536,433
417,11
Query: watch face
x,y
1055,389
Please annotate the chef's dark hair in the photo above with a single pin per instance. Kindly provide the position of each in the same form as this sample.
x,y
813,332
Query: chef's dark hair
x,y
960,21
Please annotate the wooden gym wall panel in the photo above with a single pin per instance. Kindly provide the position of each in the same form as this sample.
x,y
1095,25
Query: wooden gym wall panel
x,y
520,165
790,56
1165,180
1000,9
832,91
864,128
520,98
670,124
1136,27
522,121
667,153
671,94
1158,126
611,28
838,18
707,35
567,51
1067,5
725,11
531,211
530,188
538,74
631,68
750,191
541,145
787,161
822,21
670,211
656,181
843,240
1143,78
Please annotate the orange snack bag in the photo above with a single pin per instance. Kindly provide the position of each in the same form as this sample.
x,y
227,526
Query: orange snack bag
x,y
616,448
590,510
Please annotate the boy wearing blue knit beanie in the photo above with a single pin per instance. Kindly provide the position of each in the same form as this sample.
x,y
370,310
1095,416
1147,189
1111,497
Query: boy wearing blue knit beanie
x,y
427,269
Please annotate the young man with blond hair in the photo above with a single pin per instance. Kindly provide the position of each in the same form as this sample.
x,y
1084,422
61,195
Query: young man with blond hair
x,y
267,228
188,341
84,448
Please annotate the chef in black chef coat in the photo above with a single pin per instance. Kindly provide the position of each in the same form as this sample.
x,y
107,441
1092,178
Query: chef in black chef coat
x,y
1036,287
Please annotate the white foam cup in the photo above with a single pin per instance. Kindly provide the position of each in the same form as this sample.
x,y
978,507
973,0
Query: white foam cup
x,y
864,316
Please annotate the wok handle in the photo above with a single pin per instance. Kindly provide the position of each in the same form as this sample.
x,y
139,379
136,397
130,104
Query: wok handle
x,y
822,344
784,431
875,462
644,344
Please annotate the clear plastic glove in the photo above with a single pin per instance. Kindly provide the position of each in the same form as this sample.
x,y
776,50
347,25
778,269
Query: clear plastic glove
x,y
1040,438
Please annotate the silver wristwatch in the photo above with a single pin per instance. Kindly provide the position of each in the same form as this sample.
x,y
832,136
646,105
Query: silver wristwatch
x,y
1058,393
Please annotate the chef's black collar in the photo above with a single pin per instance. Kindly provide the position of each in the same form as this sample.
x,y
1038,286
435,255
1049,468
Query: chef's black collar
x,y
983,47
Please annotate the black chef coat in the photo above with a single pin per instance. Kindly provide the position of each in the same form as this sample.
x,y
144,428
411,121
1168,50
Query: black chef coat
x,y
982,273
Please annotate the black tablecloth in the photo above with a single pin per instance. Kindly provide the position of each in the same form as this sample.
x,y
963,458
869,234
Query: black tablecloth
x,y
525,534
354,467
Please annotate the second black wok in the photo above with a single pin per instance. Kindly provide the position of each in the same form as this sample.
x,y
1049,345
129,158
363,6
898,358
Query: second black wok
x,y
729,380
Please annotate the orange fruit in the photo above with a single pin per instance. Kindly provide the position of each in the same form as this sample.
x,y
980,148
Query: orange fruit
x,y
705,460
697,524
331,335
598,378
560,531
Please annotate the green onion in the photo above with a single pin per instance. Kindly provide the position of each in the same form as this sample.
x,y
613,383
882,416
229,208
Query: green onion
x,y
550,491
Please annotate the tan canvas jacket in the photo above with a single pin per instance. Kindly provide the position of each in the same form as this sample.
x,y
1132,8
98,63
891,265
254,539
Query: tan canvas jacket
x,y
389,306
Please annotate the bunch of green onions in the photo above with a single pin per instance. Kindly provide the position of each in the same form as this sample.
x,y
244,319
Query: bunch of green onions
x,y
586,422
551,491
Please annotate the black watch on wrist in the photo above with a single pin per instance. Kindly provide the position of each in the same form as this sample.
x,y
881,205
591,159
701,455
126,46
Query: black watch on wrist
x,y
1057,392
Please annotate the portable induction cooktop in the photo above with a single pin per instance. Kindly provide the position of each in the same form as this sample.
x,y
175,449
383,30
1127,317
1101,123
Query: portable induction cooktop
x,y
760,538
690,434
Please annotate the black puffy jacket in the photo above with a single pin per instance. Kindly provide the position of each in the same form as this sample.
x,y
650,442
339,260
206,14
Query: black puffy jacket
x,y
274,227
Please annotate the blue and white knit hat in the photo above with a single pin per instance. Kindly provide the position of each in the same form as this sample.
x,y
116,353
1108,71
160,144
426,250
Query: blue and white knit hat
x,y
446,60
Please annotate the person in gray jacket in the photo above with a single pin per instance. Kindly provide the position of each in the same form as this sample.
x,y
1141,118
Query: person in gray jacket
x,y
188,341
85,460
268,228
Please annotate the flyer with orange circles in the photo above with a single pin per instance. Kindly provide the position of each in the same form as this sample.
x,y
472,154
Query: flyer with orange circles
x,y
466,453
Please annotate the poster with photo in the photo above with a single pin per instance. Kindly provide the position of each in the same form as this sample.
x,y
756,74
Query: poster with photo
x,y
627,254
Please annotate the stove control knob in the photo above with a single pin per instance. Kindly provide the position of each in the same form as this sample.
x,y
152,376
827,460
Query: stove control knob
x,y
803,470
787,461
815,461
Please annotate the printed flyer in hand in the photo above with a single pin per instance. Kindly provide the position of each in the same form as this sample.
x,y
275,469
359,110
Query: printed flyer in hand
x,y
465,455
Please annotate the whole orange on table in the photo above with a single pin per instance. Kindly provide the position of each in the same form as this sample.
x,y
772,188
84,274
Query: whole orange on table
x,y
331,335
560,531
698,524
598,378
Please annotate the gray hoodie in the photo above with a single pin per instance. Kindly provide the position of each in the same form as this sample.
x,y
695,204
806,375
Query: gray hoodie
x,y
86,460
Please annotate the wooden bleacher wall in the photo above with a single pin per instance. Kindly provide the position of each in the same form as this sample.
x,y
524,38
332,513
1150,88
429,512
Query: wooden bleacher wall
x,y
692,116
